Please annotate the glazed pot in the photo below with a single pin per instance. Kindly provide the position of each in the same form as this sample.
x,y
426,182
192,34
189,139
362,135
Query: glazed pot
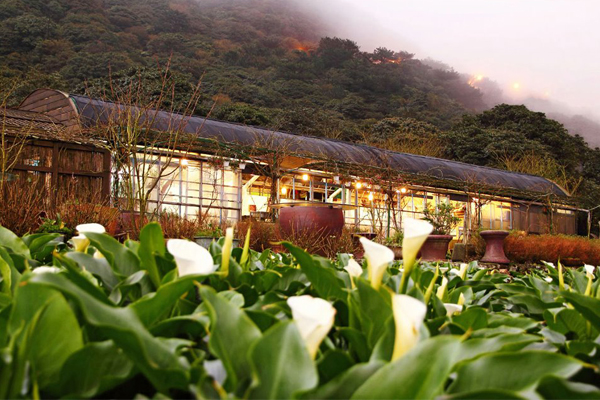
x,y
327,221
435,247
494,247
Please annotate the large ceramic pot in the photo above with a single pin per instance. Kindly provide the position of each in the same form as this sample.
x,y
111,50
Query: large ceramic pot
x,y
494,247
435,247
327,221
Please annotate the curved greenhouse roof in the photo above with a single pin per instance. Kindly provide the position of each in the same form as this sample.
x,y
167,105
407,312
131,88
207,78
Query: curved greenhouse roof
x,y
92,111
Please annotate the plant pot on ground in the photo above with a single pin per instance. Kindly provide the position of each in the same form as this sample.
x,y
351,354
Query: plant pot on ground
x,y
444,221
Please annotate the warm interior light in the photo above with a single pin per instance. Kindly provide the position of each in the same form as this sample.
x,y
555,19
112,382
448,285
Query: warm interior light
x,y
516,86
184,162
284,190
403,190
358,185
371,196
305,177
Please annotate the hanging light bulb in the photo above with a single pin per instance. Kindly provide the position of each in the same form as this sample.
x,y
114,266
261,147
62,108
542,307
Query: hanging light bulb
x,y
184,162
371,196
358,185
305,177
403,190
284,190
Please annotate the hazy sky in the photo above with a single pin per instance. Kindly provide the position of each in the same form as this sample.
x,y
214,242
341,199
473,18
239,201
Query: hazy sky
x,y
550,47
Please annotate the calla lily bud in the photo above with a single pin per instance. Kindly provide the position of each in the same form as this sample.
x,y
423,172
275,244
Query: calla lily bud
x,y
463,271
314,318
226,252
92,228
442,289
378,257
461,299
409,314
452,309
43,270
415,233
589,270
353,268
190,257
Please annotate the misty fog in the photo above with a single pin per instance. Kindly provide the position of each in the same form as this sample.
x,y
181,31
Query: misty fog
x,y
544,53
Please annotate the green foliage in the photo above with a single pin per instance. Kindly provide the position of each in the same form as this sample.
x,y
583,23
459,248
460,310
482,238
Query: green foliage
x,y
65,333
442,218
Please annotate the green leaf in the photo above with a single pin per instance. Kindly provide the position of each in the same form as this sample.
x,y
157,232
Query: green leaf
x,y
517,371
552,387
344,385
474,318
92,370
160,365
232,333
13,243
154,306
413,376
321,273
281,364
97,267
152,243
51,332
6,275
122,259
587,306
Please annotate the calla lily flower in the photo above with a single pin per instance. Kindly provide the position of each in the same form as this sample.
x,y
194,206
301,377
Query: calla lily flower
x,y
415,233
81,242
461,299
548,279
589,269
409,314
314,318
190,257
452,309
378,257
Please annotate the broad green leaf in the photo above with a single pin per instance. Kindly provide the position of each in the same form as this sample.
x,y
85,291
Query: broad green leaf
x,y
474,318
281,364
517,371
97,267
92,370
373,310
321,274
14,243
122,259
50,330
419,374
344,385
553,387
152,243
589,307
161,367
232,333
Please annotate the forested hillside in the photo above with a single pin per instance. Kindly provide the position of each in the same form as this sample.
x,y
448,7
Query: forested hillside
x,y
265,62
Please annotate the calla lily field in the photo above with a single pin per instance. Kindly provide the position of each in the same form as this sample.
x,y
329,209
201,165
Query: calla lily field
x,y
153,318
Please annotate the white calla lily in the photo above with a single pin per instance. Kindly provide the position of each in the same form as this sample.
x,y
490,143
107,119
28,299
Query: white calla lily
x,y
353,268
409,314
190,257
589,269
452,309
81,242
378,257
442,289
43,270
548,279
415,233
92,228
314,318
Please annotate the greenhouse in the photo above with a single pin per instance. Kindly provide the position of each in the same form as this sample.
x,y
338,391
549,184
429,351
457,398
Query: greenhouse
x,y
226,170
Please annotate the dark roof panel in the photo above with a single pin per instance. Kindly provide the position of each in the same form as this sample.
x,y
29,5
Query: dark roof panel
x,y
92,110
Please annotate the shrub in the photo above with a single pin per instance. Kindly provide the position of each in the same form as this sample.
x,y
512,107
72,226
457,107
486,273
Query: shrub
x,y
523,248
73,213
263,235
177,227
24,203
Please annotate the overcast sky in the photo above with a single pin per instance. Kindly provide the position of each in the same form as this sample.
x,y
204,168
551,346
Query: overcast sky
x,y
550,47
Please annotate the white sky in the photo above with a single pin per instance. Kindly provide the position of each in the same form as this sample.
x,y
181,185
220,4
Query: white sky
x,y
550,47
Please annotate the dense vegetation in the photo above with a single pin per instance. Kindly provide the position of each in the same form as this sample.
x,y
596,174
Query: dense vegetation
x,y
144,319
264,62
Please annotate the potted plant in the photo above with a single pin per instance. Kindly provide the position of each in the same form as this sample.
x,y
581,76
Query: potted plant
x,y
444,221
394,242
210,232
